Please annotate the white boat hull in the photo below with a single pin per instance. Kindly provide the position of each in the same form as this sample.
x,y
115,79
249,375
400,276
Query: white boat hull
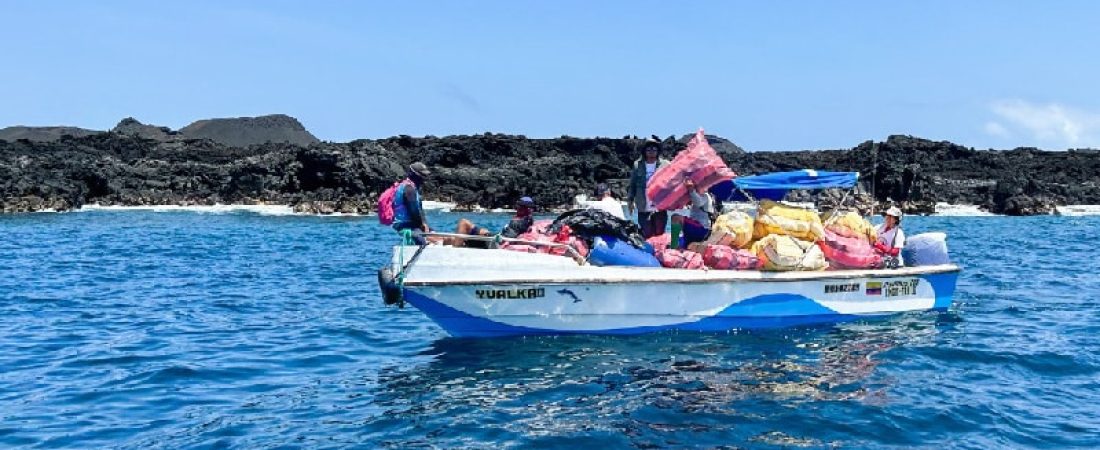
x,y
481,293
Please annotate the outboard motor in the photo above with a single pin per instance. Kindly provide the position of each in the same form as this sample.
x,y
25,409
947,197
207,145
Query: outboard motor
x,y
391,292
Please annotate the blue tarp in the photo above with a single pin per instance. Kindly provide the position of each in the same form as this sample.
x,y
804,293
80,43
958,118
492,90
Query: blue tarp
x,y
774,186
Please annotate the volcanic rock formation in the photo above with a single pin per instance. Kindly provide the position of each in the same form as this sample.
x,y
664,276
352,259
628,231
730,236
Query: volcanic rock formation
x,y
243,131
42,134
139,164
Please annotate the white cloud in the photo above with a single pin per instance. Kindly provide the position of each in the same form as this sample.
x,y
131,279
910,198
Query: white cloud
x,y
1050,124
997,130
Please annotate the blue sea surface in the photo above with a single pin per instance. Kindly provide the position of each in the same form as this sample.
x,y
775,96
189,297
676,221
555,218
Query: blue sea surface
x,y
185,330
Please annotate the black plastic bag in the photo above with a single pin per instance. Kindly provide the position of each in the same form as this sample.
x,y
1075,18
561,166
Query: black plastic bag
x,y
589,223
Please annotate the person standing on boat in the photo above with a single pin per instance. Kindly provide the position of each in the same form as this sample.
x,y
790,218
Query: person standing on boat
x,y
652,221
519,224
696,226
890,238
408,206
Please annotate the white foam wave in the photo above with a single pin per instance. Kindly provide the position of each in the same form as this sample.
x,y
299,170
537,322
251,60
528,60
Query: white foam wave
x,y
950,210
264,210
1079,210
482,210
433,205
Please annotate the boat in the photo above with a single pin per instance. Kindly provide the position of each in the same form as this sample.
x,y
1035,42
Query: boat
x,y
489,293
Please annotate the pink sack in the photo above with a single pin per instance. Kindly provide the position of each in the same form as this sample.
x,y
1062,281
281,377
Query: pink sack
x,y
666,189
538,233
722,257
538,228
519,248
680,259
844,252
660,242
699,162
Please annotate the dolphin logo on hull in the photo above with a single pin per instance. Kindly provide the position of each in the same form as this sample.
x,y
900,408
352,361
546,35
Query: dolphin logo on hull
x,y
571,294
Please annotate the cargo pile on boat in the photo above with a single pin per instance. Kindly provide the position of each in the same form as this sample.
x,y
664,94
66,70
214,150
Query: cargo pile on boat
x,y
780,237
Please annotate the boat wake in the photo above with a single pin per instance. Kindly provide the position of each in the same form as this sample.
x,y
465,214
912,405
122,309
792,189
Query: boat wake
x,y
951,210
1079,210
432,205
263,210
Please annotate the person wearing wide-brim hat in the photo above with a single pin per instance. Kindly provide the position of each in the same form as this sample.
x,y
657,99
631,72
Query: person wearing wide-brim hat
x,y
891,238
652,222
408,205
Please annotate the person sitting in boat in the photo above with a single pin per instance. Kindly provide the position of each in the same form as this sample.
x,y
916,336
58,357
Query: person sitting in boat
x,y
519,224
607,202
890,238
408,206
652,221
696,226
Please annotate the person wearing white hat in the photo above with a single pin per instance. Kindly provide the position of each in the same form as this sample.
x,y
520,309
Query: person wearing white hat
x,y
890,238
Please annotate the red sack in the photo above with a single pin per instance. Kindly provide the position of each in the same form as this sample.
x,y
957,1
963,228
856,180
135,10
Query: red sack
x,y
577,244
844,252
722,257
680,259
698,162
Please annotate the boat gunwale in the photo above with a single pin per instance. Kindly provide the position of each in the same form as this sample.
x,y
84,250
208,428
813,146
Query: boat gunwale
x,y
740,276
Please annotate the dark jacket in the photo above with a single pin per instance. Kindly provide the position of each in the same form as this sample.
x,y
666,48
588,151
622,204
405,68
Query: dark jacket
x,y
635,191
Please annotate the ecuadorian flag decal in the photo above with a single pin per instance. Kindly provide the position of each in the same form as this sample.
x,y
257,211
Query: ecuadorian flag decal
x,y
874,288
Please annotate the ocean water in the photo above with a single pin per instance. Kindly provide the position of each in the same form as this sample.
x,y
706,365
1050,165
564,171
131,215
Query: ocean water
x,y
175,329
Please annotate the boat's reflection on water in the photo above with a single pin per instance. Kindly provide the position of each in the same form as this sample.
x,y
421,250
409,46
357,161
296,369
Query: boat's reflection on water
x,y
555,384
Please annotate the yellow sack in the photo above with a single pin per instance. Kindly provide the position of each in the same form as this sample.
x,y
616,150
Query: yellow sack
x,y
775,218
733,228
849,224
785,253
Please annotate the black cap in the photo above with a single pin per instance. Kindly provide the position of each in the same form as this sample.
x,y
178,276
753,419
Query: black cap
x,y
420,169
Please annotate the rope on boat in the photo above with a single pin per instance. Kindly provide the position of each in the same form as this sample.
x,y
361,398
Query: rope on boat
x,y
399,279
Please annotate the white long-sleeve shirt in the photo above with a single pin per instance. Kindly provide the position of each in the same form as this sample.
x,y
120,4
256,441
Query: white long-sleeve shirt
x,y
702,206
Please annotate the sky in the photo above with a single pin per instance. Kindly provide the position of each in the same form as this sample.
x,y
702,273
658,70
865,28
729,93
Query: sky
x,y
768,75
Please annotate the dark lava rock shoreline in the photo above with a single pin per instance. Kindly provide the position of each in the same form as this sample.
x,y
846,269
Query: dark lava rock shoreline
x,y
144,165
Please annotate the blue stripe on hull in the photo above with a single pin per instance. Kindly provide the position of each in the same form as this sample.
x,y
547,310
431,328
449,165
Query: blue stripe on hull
x,y
943,284
460,324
